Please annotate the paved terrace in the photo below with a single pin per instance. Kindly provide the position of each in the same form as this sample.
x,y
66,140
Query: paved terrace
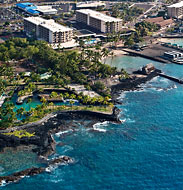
x,y
81,88
153,52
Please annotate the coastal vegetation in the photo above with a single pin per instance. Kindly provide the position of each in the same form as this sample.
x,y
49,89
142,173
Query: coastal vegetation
x,y
82,67
146,28
20,134
126,12
142,29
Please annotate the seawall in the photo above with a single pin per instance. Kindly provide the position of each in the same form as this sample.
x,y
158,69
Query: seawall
x,y
132,52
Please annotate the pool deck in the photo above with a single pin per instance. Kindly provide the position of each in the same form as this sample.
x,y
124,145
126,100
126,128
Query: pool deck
x,y
81,88
2,99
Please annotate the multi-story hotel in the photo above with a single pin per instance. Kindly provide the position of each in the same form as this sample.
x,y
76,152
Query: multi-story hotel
x,y
47,30
175,10
98,21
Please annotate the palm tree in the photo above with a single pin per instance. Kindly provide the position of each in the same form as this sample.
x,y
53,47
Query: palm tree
x,y
43,100
29,100
73,96
112,56
20,112
66,95
51,105
71,102
105,53
53,95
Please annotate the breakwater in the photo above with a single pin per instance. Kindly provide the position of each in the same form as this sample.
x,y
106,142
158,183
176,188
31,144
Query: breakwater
x,y
171,78
173,36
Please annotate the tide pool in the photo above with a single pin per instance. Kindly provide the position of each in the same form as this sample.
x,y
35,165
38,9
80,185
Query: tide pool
x,y
145,152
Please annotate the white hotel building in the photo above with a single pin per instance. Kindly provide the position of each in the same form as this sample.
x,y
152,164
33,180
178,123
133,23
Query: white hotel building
x,y
47,30
175,10
98,21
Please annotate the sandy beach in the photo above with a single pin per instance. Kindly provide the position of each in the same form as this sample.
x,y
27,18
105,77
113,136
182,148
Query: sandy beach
x,y
119,52
165,40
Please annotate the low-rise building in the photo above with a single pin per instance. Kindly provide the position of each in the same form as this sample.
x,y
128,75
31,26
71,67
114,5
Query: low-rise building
x,y
90,5
36,10
47,30
46,10
98,21
160,21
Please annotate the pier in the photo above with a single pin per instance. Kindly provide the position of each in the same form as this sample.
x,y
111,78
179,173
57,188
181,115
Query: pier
x,y
156,52
171,78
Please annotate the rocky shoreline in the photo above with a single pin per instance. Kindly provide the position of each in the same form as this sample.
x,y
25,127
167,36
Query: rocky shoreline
x,y
17,176
43,140
132,83
43,143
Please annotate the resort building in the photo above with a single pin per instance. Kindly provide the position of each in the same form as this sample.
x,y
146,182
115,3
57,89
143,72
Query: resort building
x,y
98,21
47,30
90,5
161,22
175,10
46,10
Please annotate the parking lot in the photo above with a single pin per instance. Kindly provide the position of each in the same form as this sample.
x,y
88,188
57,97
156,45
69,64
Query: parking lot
x,y
8,15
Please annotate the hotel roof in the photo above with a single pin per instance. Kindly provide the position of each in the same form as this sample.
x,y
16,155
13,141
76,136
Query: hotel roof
x,y
49,24
177,5
44,9
89,4
55,27
99,16
28,7
35,20
32,11
24,5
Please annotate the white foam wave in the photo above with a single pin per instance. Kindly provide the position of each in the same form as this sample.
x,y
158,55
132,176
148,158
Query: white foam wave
x,y
3,183
165,80
51,168
67,148
63,132
100,126
160,89
122,95
155,79
99,129
128,120
55,180
123,120
105,123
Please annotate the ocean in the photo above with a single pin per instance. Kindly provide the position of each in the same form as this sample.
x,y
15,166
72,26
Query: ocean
x,y
145,152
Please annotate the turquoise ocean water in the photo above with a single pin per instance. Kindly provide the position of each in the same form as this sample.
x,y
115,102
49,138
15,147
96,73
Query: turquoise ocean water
x,y
145,152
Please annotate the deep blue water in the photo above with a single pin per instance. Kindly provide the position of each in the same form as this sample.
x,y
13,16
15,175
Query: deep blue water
x,y
145,152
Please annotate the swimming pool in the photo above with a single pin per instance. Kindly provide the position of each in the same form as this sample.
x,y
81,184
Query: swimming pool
x,y
90,42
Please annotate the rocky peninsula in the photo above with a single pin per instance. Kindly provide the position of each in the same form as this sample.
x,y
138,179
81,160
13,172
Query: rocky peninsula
x,y
16,177
40,139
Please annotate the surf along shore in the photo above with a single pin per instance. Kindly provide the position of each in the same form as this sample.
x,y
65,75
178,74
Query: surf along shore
x,y
40,139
